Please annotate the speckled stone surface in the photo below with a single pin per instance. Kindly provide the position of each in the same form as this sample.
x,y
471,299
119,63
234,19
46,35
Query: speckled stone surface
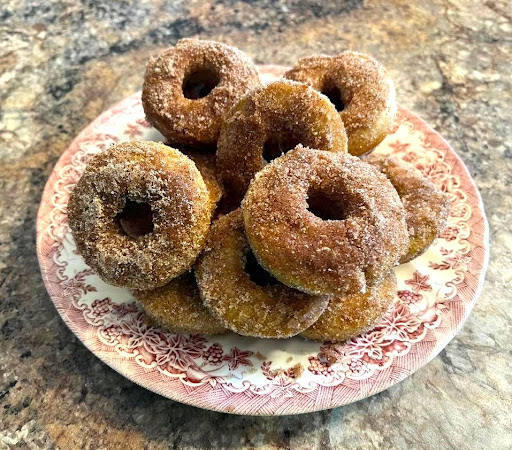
x,y
63,62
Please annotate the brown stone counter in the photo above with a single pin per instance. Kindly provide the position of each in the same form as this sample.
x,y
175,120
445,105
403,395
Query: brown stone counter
x,y
64,62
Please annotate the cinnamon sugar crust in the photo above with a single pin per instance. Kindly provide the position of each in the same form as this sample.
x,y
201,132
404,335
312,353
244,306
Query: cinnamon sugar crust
x,y
269,121
364,89
344,254
426,207
270,310
206,164
174,197
189,88
353,314
177,307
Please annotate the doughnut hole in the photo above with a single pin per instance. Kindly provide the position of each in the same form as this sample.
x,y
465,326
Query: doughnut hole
x,y
333,93
257,274
278,144
327,206
200,83
136,219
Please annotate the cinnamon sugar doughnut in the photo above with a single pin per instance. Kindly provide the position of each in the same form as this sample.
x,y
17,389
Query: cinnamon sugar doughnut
x,y
245,298
205,163
177,307
361,90
426,207
353,314
269,121
323,222
189,88
140,214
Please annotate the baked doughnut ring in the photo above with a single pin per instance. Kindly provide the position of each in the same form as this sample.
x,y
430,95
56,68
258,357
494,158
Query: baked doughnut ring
x,y
140,214
245,298
177,307
269,121
353,314
323,222
360,88
426,207
189,88
205,163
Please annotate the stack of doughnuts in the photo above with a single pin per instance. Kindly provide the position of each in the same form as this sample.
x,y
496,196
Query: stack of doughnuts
x,y
258,215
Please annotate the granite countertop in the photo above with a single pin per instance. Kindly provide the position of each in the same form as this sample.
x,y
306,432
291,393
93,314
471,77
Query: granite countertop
x,y
63,62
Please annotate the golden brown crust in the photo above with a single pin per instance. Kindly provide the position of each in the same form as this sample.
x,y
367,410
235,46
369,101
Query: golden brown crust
x,y
187,121
206,164
149,173
353,314
247,308
426,207
177,307
324,256
367,93
279,114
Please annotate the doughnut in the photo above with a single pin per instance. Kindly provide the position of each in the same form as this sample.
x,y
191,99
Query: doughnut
x,y
205,163
177,307
353,314
323,222
244,297
269,121
190,87
140,214
426,207
360,88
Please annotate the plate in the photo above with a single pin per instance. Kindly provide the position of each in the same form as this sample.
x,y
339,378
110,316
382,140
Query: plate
x,y
241,375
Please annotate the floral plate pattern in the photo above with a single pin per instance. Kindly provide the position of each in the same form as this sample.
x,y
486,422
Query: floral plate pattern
x,y
241,375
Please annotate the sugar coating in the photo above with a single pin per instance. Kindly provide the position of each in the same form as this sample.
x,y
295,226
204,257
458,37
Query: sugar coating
x,y
291,111
353,314
324,256
141,172
274,311
194,122
367,92
206,164
177,307
426,207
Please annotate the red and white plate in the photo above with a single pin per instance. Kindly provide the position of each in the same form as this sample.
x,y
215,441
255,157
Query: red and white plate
x,y
241,375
